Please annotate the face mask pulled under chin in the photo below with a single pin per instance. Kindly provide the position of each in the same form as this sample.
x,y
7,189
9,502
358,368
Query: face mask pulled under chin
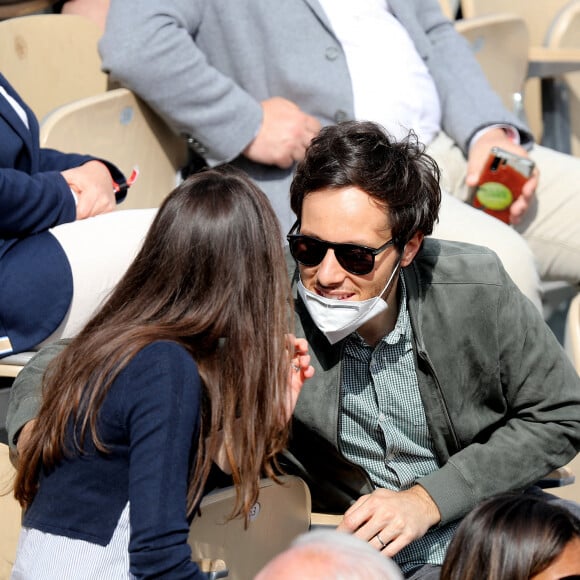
x,y
336,319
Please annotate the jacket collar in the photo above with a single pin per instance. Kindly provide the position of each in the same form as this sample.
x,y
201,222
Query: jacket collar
x,y
315,6
11,117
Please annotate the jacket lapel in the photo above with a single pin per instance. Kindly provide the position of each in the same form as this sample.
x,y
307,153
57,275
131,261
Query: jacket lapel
x,y
12,118
316,8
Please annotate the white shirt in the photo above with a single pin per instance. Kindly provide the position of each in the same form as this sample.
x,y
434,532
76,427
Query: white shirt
x,y
391,84
16,106
44,556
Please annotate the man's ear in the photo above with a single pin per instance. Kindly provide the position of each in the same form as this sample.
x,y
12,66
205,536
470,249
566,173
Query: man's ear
x,y
411,249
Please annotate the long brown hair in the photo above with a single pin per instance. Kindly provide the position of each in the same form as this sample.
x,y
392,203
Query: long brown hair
x,y
210,276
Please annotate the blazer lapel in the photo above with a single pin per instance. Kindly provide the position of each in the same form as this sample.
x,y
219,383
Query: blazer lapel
x,y
27,134
315,6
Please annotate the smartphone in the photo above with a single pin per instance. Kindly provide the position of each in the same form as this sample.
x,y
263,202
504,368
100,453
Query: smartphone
x,y
501,182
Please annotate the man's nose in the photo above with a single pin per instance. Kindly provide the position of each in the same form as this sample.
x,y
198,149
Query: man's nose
x,y
330,272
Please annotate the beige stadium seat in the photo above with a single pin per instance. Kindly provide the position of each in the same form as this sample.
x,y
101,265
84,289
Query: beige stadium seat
x,y
11,365
500,42
449,8
538,14
10,515
572,332
219,544
119,127
565,33
51,59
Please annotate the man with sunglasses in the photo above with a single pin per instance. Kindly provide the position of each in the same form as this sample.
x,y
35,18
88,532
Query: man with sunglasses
x,y
437,382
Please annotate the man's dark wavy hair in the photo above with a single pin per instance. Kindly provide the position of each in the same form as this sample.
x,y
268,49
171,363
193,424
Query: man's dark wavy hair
x,y
399,175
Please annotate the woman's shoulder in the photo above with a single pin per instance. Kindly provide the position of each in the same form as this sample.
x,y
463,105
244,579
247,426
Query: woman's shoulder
x,y
162,361
164,349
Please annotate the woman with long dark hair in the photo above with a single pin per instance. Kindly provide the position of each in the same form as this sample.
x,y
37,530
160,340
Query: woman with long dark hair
x,y
190,359
515,536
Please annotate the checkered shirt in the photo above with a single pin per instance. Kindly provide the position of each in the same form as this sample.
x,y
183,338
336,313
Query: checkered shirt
x,y
383,426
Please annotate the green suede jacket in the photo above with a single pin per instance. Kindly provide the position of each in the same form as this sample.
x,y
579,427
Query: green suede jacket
x,y
501,398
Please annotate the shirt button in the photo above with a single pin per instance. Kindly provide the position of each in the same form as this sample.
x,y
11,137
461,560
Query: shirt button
x,y
340,116
331,53
382,418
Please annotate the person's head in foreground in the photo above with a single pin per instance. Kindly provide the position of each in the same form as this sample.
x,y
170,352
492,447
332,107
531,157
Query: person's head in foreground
x,y
369,199
515,537
330,555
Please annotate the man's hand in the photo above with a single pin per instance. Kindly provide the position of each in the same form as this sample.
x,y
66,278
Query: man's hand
x,y
285,133
93,186
390,520
477,157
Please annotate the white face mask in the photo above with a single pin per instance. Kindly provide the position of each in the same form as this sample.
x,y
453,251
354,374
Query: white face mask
x,y
336,319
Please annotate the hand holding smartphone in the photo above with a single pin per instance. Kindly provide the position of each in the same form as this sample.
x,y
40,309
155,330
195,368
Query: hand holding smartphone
x,y
500,182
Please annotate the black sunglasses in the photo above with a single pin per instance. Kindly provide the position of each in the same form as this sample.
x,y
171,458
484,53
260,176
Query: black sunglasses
x,y
359,260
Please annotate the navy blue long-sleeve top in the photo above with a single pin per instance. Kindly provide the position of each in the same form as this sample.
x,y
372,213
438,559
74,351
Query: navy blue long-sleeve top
x,y
149,423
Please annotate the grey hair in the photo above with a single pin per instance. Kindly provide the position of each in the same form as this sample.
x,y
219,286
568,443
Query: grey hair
x,y
349,557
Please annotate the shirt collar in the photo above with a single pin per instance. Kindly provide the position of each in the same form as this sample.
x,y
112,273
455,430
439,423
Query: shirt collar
x,y
402,327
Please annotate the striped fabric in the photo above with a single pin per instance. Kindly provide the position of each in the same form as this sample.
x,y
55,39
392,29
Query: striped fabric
x,y
71,559
383,426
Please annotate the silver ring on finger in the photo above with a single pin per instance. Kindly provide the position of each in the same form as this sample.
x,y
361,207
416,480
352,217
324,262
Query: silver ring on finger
x,y
383,545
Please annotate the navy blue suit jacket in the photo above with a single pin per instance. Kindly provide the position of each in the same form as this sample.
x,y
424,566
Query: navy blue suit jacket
x,y
35,278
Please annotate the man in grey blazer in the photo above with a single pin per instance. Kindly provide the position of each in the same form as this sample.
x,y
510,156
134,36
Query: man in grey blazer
x,y
252,81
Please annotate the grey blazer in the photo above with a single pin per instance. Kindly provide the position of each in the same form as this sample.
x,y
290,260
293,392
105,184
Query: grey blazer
x,y
205,65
